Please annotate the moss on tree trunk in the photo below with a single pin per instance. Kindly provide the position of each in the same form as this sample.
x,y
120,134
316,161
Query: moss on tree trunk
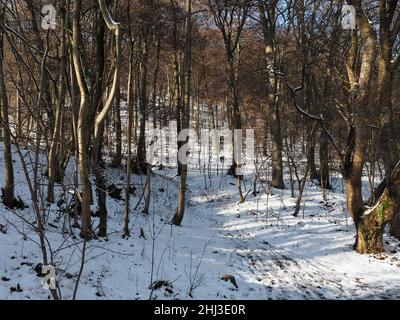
x,y
373,222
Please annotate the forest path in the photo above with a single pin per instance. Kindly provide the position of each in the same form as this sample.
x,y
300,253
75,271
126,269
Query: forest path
x,y
308,258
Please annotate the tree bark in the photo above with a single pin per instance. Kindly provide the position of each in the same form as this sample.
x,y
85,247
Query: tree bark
x,y
141,148
130,106
311,156
180,211
83,125
54,146
268,25
386,71
358,135
324,160
100,118
8,191
117,160
373,222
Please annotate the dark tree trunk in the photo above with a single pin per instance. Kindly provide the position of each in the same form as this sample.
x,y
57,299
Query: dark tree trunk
x,y
141,148
8,191
372,224
324,160
180,211
311,156
268,14
117,160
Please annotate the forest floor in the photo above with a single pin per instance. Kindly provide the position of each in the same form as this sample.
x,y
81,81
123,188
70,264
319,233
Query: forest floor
x,y
269,253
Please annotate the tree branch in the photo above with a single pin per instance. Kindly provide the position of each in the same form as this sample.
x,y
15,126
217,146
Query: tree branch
x,y
319,118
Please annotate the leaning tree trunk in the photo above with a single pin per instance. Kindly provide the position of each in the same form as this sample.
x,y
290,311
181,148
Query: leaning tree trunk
x,y
303,182
373,222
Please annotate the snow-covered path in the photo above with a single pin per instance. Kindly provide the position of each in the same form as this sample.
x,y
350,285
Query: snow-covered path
x,y
310,258
270,256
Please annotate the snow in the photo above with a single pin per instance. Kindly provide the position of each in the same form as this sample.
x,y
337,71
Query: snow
x,y
271,254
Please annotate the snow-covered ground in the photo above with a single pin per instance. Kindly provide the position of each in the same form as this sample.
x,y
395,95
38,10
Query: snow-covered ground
x,y
270,254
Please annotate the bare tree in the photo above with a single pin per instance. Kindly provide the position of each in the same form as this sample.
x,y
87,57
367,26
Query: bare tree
x,y
55,141
267,11
177,219
230,17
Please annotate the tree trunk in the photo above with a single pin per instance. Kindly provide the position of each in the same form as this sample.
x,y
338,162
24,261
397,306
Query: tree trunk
x,y
177,219
141,148
129,142
83,125
372,224
155,79
277,164
395,226
386,72
54,146
116,163
301,191
268,25
311,156
148,190
324,160
237,125
98,105
100,118
354,160
177,88
8,191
